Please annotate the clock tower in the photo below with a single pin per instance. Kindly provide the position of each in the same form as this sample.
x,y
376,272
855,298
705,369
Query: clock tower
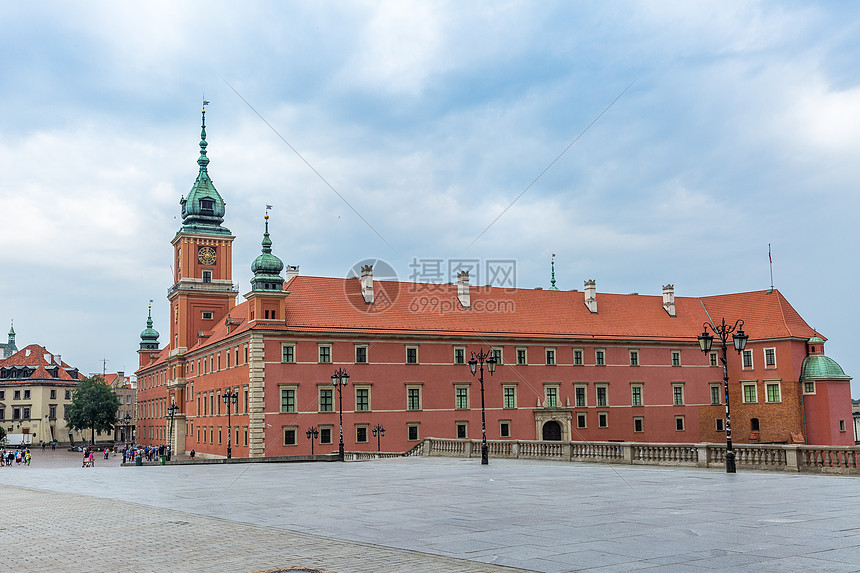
x,y
203,290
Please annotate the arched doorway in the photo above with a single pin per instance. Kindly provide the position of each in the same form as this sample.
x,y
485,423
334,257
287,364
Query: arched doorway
x,y
551,431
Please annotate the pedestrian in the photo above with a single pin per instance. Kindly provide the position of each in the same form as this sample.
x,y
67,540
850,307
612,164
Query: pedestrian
x,y
92,460
86,460
43,446
192,454
53,445
27,456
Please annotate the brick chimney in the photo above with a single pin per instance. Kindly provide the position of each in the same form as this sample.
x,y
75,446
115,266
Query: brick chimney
x,y
463,289
367,284
591,295
669,299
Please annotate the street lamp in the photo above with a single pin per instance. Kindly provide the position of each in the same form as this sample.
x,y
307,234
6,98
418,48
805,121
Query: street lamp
x,y
378,431
171,411
229,398
312,433
127,421
476,359
340,379
739,339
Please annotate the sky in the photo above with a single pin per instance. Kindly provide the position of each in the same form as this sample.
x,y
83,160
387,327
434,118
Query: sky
x,y
642,143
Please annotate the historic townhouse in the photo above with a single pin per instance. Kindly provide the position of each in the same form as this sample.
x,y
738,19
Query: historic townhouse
x,y
572,365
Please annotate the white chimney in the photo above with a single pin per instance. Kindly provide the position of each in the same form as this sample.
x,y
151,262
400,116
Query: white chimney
x,y
291,271
367,284
463,289
669,299
591,295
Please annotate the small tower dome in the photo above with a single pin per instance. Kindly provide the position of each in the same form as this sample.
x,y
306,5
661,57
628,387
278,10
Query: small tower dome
x,y
149,337
267,267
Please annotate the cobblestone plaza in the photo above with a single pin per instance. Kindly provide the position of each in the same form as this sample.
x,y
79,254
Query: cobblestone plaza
x,y
421,514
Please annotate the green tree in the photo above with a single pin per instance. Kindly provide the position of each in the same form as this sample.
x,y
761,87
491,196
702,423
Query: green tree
x,y
2,434
94,406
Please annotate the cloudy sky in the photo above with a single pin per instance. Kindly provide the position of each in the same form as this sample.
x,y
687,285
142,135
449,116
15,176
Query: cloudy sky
x,y
739,127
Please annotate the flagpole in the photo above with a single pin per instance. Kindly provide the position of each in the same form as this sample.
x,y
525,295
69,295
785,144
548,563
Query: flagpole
x,y
770,260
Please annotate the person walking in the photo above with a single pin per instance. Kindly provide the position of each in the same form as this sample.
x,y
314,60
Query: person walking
x,y
92,460
27,457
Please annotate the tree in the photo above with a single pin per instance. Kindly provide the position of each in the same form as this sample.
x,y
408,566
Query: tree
x,y
2,434
94,406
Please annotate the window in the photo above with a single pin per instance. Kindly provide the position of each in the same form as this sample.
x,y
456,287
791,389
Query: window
x,y
715,394
2,413
603,419
26,394
288,400
289,436
550,356
361,354
3,394
325,435
750,395
462,434
53,395
577,357
772,391
678,394
721,424
602,400
579,396
505,428
809,387
68,395
461,394
509,394
841,425
634,358
521,356
288,353
16,413
325,353
412,432
326,399
207,316
551,393
679,423
207,277
600,357
362,399
245,435
52,412
17,394
747,359
581,420
411,355
676,358
413,397
459,355
638,424
636,395
497,354
754,425
360,434
712,358
770,357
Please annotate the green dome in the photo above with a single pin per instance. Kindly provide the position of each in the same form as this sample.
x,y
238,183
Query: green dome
x,y
267,267
149,336
820,367
815,340
203,210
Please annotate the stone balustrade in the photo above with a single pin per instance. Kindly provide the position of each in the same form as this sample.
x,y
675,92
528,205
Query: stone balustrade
x,y
791,458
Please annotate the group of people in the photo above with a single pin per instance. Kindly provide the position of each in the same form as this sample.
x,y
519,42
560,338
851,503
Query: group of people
x,y
8,458
148,453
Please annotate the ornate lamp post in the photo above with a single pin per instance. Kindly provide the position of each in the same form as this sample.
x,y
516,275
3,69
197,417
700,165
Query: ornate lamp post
x,y
229,397
477,359
378,431
339,379
740,341
171,412
127,420
314,433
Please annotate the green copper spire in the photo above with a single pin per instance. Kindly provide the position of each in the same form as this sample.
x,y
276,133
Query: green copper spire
x,y
267,267
149,337
10,346
203,210
552,281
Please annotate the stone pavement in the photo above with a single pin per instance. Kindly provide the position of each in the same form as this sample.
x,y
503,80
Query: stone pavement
x,y
424,514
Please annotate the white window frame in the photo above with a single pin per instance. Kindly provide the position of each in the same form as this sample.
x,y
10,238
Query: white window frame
x,y
744,354
633,356
284,346
320,347
578,360
744,386
778,384
676,385
553,386
546,354
525,352
764,353
584,388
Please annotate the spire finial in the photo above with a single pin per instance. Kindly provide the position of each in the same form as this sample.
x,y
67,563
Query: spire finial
x,y
203,161
552,280
267,242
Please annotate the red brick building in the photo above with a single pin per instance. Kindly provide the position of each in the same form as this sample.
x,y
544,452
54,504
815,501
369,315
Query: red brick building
x,y
572,365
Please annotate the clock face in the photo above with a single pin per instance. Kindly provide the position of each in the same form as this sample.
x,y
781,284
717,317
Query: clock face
x,y
206,255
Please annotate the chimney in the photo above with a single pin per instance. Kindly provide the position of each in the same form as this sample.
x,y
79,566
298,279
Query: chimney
x,y
291,271
669,299
367,284
463,289
591,296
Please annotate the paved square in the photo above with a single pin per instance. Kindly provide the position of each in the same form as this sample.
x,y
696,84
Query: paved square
x,y
422,514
